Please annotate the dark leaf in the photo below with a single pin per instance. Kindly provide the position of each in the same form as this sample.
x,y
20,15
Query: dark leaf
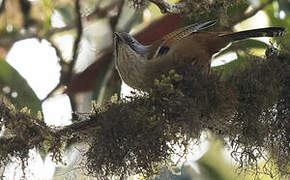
x,y
17,89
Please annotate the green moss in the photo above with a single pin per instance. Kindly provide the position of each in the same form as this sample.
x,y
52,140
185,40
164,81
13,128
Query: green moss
x,y
138,136
249,109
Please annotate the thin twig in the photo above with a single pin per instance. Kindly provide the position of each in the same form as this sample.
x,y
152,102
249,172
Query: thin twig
x,y
58,52
62,63
53,31
58,30
77,40
4,41
68,75
114,20
251,13
76,47
52,92
102,12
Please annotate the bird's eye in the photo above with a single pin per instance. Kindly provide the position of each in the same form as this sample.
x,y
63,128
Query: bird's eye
x,y
131,41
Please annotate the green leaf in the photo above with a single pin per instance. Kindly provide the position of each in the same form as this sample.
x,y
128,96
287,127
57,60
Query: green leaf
x,y
10,79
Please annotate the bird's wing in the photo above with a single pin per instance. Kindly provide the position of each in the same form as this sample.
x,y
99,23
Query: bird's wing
x,y
161,47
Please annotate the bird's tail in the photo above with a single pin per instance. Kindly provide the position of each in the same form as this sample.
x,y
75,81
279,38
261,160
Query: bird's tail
x,y
262,32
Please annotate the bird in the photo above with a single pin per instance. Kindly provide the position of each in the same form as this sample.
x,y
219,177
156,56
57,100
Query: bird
x,y
139,65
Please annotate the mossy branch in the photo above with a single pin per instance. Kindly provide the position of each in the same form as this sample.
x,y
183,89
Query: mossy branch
x,y
251,109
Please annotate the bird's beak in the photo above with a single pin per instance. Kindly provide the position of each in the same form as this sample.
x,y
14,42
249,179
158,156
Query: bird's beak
x,y
117,40
118,37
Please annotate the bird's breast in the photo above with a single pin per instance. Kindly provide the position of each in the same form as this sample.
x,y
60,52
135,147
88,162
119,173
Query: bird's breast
x,y
131,71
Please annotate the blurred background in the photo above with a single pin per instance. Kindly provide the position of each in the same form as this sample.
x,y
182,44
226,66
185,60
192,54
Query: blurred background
x,y
56,57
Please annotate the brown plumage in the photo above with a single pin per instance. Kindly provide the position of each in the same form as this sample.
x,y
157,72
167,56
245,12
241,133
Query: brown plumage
x,y
139,65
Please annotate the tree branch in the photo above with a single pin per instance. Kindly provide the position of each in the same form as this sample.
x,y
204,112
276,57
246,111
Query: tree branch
x,y
12,39
114,20
57,51
97,12
103,12
175,8
77,40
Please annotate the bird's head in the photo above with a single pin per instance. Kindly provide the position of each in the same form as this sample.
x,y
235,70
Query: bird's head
x,y
127,46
